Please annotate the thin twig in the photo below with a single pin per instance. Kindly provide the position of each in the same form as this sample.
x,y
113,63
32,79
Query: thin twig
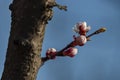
x,y
97,32
60,7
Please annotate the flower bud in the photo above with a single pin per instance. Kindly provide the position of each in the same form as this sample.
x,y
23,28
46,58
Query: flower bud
x,y
81,28
51,53
71,52
80,40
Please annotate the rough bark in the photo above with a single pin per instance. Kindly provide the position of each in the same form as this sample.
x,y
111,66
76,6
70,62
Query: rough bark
x,y
29,18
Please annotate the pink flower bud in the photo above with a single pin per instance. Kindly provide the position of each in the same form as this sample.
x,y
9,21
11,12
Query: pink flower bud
x,y
80,40
51,53
71,52
81,28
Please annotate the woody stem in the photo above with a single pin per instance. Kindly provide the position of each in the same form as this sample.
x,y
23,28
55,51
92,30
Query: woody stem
x,y
97,32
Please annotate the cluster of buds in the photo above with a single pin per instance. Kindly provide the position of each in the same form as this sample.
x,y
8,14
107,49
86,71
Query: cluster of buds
x,y
81,28
70,50
51,52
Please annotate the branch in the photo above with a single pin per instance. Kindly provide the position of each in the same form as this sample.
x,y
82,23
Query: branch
x,y
52,3
97,32
61,7
71,44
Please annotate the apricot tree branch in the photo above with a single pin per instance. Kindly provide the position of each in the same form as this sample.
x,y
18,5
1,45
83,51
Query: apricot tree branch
x,y
60,53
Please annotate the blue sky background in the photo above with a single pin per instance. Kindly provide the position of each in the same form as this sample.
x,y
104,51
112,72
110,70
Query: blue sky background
x,y
99,59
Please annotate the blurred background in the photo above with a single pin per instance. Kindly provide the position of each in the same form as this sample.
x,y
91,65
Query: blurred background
x,y
99,59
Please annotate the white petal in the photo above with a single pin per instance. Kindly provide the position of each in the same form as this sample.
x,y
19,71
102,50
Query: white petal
x,y
75,51
84,23
53,49
88,28
83,39
75,28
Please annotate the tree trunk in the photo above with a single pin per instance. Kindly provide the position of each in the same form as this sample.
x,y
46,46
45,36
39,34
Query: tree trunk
x,y
29,18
